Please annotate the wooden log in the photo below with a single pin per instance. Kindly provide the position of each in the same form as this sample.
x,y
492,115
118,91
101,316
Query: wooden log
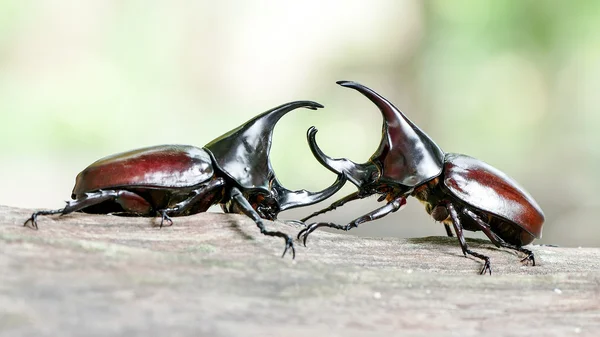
x,y
214,274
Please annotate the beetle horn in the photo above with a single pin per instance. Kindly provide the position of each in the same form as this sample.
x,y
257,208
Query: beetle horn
x,y
290,199
358,174
243,153
406,154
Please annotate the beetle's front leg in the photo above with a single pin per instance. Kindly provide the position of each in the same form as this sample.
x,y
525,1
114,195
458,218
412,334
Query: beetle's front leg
x,y
354,196
247,209
390,207
458,229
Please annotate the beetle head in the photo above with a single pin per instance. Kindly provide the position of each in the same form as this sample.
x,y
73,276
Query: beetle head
x,y
243,155
406,155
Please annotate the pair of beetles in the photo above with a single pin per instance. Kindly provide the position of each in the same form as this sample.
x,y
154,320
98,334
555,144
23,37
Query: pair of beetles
x,y
234,171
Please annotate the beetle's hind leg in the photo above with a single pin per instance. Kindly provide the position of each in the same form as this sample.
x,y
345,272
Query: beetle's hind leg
x,y
247,209
33,217
498,241
458,229
129,201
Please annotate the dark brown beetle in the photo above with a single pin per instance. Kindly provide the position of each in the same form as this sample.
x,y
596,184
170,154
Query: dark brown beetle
x,y
233,170
456,189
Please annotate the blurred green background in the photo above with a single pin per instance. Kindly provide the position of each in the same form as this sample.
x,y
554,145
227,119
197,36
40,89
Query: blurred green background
x,y
514,83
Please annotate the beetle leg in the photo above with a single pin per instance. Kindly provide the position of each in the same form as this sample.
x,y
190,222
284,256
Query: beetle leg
x,y
354,196
197,195
498,241
390,207
448,230
463,243
165,217
131,203
33,217
247,209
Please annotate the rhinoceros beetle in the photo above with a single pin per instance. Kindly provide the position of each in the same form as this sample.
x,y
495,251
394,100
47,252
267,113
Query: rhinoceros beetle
x,y
233,170
456,189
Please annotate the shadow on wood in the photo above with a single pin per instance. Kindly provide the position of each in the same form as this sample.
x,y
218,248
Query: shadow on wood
x,y
214,274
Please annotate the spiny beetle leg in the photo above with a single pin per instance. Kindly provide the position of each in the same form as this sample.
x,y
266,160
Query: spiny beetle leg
x,y
529,258
195,197
289,244
486,261
33,217
303,234
458,229
379,213
165,217
130,201
247,209
353,196
485,228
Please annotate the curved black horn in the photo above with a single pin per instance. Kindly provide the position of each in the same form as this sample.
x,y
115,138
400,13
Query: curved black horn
x,y
358,174
290,199
406,154
243,153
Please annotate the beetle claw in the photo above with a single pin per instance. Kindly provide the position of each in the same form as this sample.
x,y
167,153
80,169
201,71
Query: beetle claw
x,y
289,244
165,217
530,258
303,234
306,233
33,220
33,217
486,267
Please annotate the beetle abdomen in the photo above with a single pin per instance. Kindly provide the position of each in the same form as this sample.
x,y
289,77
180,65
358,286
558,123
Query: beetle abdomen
x,y
171,166
488,189
511,232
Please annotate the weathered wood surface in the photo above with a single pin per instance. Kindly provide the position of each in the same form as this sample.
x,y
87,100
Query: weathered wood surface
x,y
215,275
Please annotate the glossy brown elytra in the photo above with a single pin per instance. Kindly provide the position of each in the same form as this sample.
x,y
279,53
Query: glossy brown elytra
x,y
457,190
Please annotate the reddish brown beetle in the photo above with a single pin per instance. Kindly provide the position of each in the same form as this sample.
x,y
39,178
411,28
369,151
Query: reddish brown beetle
x,y
456,189
233,170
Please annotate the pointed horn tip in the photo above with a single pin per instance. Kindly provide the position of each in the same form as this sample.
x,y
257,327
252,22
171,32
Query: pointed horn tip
x,y
349,84
313,105
312,131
